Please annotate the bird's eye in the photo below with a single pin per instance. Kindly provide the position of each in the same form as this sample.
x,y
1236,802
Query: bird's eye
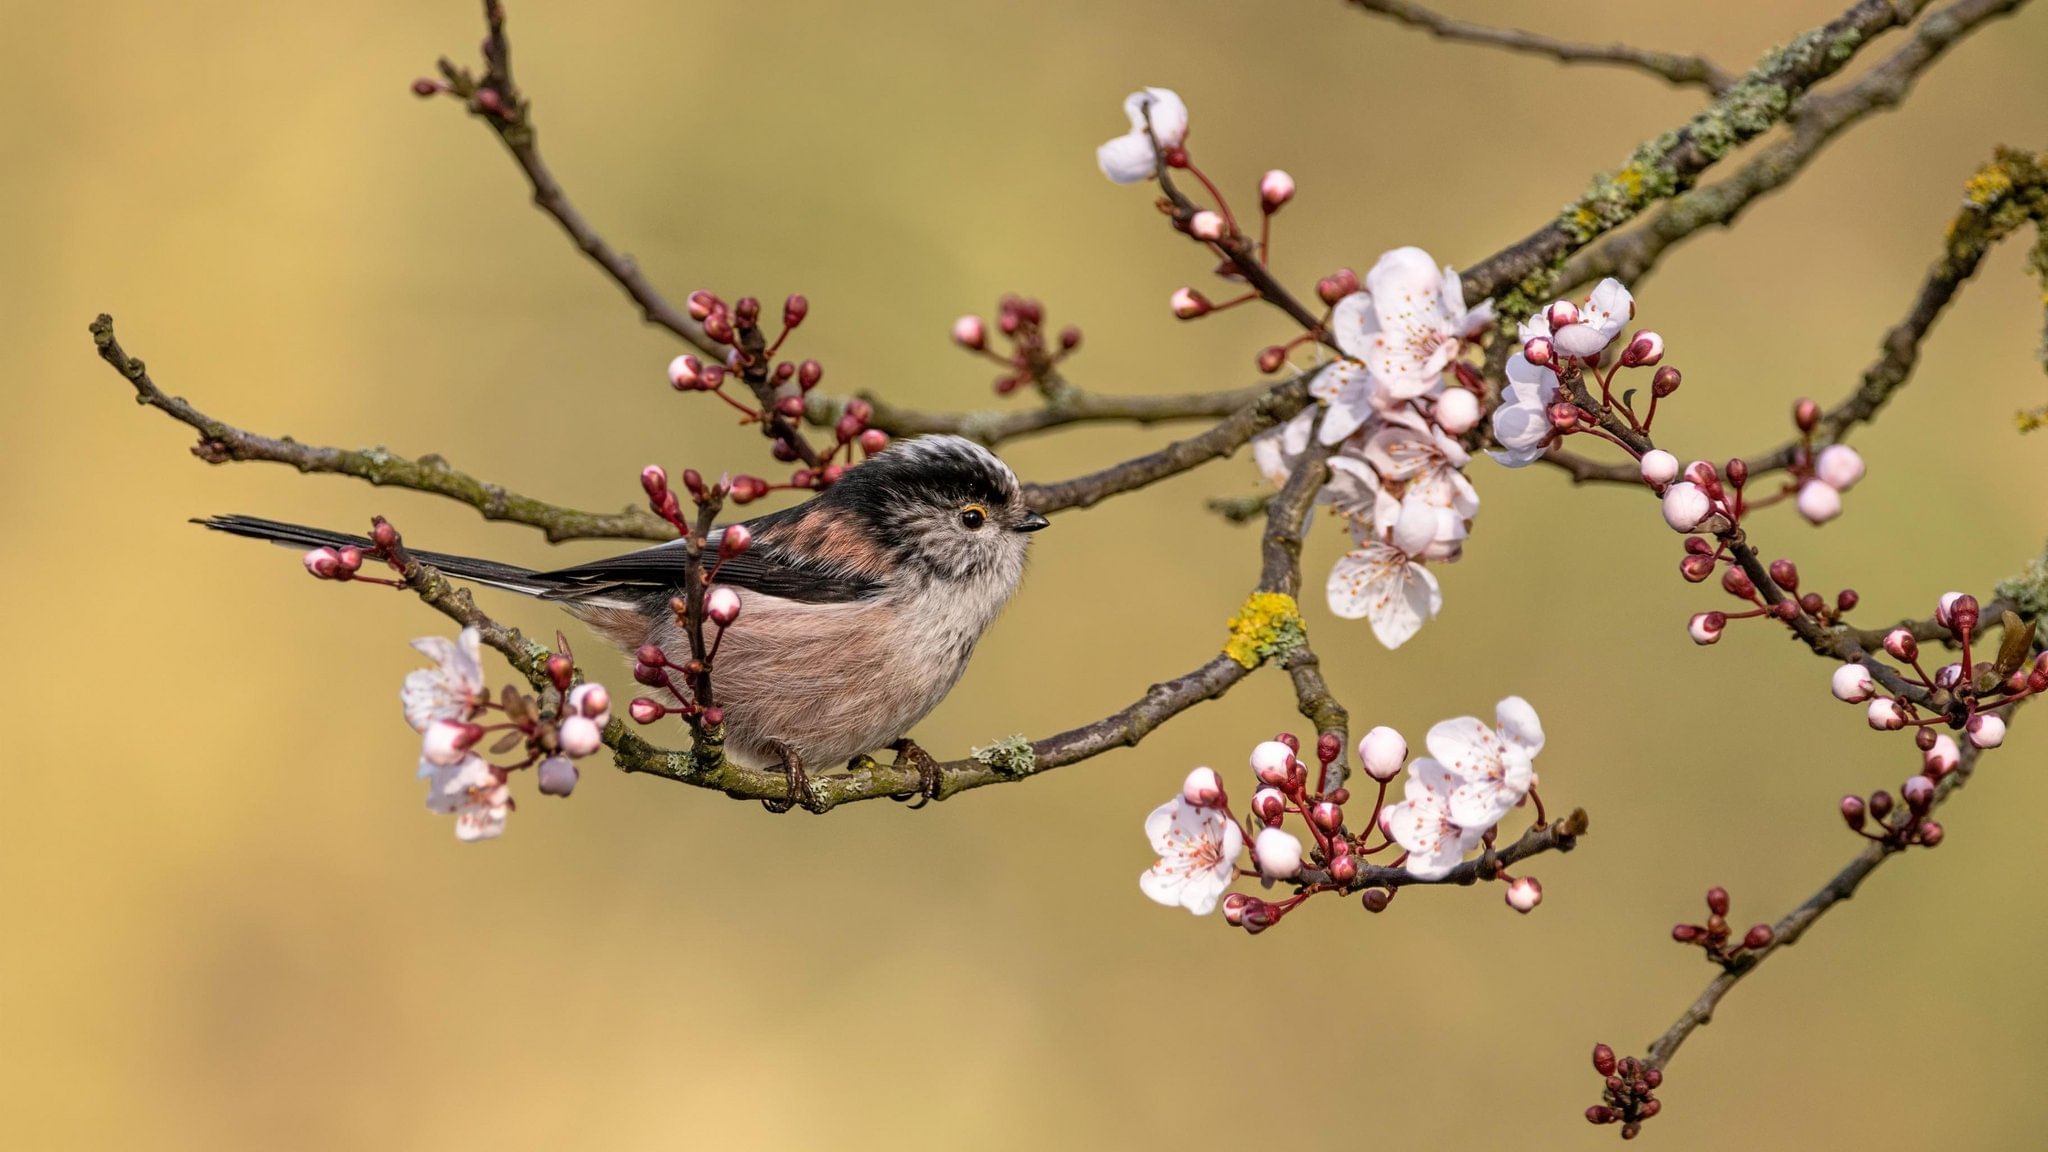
x,y
974,516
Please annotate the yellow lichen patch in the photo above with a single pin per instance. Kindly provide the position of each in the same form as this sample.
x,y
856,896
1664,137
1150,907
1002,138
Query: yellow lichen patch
x,y
1988,186
1268,625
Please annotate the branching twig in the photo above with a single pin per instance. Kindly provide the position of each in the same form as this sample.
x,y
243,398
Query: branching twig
x,y
1816,120
221,443
1674,67
1787,931
2005,194
1664,167
994,426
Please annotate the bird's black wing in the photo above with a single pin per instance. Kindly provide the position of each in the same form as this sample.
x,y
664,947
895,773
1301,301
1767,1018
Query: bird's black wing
x,y
764,567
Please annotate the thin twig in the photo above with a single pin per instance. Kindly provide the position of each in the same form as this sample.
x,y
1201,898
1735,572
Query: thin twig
x,y
1816,120
1677,68
221,443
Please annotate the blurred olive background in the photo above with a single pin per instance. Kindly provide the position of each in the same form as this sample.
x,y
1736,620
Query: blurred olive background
x,y
230,923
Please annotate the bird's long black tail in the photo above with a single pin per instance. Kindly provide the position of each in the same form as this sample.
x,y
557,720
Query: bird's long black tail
x,y
507,576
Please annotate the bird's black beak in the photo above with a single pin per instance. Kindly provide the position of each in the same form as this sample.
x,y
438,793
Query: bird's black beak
x,y
1032,522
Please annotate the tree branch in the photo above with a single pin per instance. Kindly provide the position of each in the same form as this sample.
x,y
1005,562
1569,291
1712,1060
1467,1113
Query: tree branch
x,y
221,443
2005,194
1787,932
1666,166
1673,67
1816,120
993,426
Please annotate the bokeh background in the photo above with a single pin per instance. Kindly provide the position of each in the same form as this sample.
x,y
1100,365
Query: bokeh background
x,y
229,923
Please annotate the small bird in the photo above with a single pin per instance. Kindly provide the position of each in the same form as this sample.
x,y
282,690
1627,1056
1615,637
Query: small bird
x,y
859,607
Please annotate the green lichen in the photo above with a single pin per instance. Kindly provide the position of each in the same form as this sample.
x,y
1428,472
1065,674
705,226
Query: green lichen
x,y
1268,626
2029,593
1010,756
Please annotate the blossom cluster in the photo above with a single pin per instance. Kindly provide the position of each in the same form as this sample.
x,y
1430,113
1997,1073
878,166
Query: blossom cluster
x,y
776,390
452,709
702,608
1965,695
1452,802
1031,358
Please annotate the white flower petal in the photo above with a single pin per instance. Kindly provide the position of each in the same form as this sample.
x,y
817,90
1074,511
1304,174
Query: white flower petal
x,y
1127,159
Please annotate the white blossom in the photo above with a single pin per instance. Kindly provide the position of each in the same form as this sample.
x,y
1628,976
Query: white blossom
x,y
1852,684
1605,312
1382,752
1839,467
1133,157
1421,823
1686,506
1198,850
452,689
1494,767
1381,582
1430,467
1276,450
1409,324
1521,421
471,791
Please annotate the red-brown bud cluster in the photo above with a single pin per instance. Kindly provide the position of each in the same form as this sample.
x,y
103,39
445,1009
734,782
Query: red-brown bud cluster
x,y
1628,1093
1715,935
1031,357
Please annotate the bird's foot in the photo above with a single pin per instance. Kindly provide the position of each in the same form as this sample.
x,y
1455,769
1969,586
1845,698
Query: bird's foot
x,y
930,779
800,794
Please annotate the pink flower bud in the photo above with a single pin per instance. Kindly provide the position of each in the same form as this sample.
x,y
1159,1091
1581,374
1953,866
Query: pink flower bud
x,y
1269,805
591,700
1539,351
1644,349
1901,643
1963,614
1659,467
557,776
655,480
1562,313
323,563
1343,869
1758,937
722,606
1270,762
686,373
644,710
1986,730
447,741
1819,502
1206,225
1696,567
1275,189
1805,414
1188,303
1853,812
1785,574
1277,853
735,539
1564,416
579,736
1943,758
1706,627
1918,793
1382,752
1717,900
424,87
1203,788
1524,894
1234,906
1326,816
1838,466
1457,411
1853,684
1886,715
1686,506
969,332
873,440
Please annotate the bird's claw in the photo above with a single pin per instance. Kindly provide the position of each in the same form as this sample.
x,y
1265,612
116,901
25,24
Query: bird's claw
x,y
930,778
800,794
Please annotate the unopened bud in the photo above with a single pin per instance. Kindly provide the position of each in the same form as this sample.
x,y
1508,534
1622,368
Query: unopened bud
x,y
873,440
1644,349
1930,833
579,736
722,606
1376,899
324,563
644,710
685,373
1269,805
1203,788
794,309
1805,414
1696,567
1902,644
1271,358
1986,730
1206,225
1327,817
1524,894
1188,303
1759,936
808,374
1603,1059
1963,614
1270,761
1717,900
1687,933
1382,752
1456,411
1706,627
1918,793
1666,381
1562,313
560,669
557,776
1880,804
1853,812
1886,715
701,304
1275,189
1539,351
